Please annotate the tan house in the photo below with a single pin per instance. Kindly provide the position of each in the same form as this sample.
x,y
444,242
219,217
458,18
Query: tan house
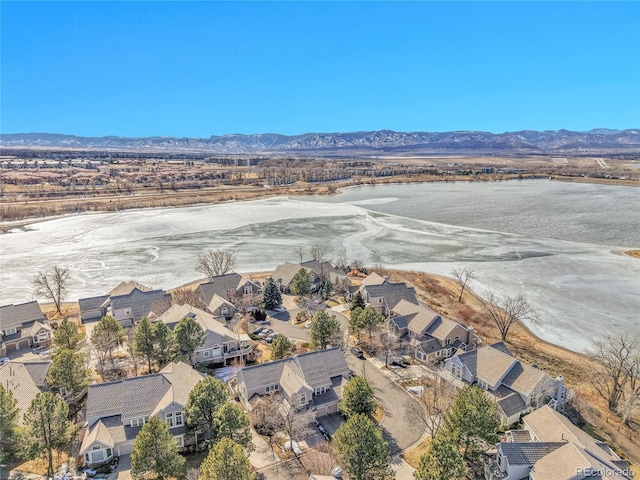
x,y
432,337
221,345
116,411
385,297
224,294
311,380
25,380
23,326
516,387
550,447
128,302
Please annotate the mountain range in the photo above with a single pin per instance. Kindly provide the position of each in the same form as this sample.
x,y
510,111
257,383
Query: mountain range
x,y
368,143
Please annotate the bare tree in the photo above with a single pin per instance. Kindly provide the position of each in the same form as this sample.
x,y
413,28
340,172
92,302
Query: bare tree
x,y
507,311
52,285
386,343
618,378
216,262
463,276
266,417
427,412
186,296
317,252
312,303
296,423
300,252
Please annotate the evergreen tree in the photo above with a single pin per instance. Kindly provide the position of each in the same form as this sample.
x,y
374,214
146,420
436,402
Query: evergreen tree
x,y
370,320
326,288
325,330
46,427
231,422
472,422
356,323
357,397
189,337
143,341
271,296
226,461
9,428
165,345
155,453
69,374
442,461
301,283
204,402
358,301
67,336
281,347
363,451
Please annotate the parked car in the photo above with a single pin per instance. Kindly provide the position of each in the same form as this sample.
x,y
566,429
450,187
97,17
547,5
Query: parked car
x,y
271,337
38,349
258,330
263,322
279,309
307,325
45,352
4,360
357,352
398,364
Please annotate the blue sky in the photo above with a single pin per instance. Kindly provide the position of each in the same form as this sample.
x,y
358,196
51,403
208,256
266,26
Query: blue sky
x,y
210,68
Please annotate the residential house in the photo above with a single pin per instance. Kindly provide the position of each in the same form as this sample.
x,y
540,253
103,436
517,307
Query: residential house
x,y
116,411
222,295
22,326
127,303
550,447
431,336
516,387
221,345
310,380
283,274
384,297
25,380
326,270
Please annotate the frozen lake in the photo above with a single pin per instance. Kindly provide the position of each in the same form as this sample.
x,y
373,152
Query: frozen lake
x,y
559,243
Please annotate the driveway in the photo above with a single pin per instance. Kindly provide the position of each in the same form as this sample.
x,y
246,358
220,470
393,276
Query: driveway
x,y
123,472
399,432
282,323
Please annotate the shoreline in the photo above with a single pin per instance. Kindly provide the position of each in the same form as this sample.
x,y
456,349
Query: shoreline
x,y
216,196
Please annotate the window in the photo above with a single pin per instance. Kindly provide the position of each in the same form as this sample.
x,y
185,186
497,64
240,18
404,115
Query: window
x,y
205,353
303,399
169,419
482,384
438,353
138,422
224,311
457,338
447,341
109,452
272,388
179,420
248,290
10,331
456,371
180,441
380,300
97,454
320,390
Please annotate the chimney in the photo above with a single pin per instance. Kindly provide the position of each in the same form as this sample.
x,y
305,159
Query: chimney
x,y
561,393
386,278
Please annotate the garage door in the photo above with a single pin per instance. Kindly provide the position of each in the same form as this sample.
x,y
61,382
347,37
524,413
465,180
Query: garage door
x,y
23,344
125,449
11,347
321,411
332,409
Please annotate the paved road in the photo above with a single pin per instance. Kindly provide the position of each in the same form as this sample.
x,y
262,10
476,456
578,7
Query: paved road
x,y
281,323
399,432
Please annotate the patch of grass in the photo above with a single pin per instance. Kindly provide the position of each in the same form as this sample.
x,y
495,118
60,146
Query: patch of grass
x,y
412,457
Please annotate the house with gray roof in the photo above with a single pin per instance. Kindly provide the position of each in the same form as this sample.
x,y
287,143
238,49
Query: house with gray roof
x,y
221,344
384,297
516,387
318,271
431,337
310,380
23,326
116,411
551,447
25,380
221,295
128,302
